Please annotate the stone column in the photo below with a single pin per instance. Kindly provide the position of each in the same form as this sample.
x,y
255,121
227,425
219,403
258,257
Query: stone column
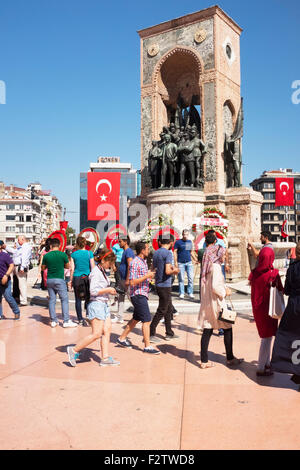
x,y
243,208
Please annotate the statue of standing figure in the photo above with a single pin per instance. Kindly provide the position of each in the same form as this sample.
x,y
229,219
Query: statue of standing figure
x,y
199,151
155,164
169,161
233,152
187,161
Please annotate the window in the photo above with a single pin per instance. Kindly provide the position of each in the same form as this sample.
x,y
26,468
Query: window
x,y
297,196
297,186
268,207
10,207
28,218
10,217
10,229
268,185
269,195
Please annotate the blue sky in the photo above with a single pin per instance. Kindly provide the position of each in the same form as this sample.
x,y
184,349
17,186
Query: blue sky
x,y
72,76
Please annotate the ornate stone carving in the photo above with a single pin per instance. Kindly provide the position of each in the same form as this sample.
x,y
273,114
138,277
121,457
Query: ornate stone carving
x,y
200,36
153,50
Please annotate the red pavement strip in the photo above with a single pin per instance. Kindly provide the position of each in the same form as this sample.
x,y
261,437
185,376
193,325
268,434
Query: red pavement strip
x,y
152,403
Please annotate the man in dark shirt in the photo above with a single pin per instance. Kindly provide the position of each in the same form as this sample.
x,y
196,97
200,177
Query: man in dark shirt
x,y
6,268
162,263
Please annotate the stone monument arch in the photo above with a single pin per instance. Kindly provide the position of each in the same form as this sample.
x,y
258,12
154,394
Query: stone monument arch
x,y
190,78
176,76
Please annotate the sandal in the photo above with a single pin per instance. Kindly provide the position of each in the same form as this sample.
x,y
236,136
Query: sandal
x,y
235,362
207,365
264,373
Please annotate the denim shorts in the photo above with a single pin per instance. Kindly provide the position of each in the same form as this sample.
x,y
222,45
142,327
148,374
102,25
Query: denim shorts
x,y
98,309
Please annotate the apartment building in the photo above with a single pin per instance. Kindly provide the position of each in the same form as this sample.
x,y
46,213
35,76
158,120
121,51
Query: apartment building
x,y
272,217
30,211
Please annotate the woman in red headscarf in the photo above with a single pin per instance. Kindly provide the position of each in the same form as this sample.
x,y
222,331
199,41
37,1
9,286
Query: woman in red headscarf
x,y
261,279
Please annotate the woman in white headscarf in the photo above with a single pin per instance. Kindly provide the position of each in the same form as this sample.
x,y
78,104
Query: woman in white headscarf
x,y
213,293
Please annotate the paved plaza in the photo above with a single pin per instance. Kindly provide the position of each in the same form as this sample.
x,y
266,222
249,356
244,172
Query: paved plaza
x,y
162,402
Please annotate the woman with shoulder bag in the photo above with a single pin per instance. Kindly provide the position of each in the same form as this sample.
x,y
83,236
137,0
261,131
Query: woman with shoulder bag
x,y
83,264
213,293
98,311
261,279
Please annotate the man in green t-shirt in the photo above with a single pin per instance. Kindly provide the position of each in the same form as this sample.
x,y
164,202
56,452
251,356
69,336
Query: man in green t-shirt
x,y
56,261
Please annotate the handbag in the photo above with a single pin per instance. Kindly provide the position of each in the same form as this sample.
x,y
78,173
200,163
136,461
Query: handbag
x,y
228,314
276,304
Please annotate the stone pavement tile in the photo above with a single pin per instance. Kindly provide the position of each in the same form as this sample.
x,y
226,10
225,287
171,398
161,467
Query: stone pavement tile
x,y
47,413
30,339
238,416
136,366
230,408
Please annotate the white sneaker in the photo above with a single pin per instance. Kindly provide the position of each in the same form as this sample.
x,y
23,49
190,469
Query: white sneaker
x,y
69,324
191,296
120,321
54,324
181,296
114,320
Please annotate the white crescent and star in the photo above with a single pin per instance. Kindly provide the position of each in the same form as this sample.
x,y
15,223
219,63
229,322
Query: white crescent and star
x,y
103,181
108,183
284,183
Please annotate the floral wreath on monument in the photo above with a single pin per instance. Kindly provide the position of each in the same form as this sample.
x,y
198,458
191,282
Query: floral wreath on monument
x,y
213,213
158,226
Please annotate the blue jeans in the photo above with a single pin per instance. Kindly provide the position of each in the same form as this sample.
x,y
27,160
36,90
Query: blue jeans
x,y
58,286
5,291
189,269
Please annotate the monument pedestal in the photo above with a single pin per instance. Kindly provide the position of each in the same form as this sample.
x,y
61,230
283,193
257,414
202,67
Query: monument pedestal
x,y
182,206
243,210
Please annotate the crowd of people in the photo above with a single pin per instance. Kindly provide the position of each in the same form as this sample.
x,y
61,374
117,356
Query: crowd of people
x,y
88,274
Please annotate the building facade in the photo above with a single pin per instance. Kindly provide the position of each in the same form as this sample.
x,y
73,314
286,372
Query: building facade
x,y
31,212
130,187
272,217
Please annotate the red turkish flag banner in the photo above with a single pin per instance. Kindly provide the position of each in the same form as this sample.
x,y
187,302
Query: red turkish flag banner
x,y
284,192
103,196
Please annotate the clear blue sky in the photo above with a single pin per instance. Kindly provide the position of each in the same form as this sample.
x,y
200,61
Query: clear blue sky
x,y
71,70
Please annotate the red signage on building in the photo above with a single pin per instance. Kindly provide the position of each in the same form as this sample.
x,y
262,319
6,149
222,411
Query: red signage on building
x,y
284,192
103,196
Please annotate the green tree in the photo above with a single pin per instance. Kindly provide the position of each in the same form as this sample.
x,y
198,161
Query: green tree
x,y
71,236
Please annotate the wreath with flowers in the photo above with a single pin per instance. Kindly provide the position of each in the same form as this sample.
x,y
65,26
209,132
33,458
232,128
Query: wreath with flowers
x,y
213,213
157,224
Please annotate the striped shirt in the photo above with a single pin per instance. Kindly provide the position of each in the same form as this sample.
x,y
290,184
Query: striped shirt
x,y
138,269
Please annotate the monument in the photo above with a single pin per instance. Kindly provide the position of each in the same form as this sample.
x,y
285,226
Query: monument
x,y
192,127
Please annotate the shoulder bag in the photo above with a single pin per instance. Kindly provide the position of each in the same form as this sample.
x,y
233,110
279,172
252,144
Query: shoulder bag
x,y
276,304
228,314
